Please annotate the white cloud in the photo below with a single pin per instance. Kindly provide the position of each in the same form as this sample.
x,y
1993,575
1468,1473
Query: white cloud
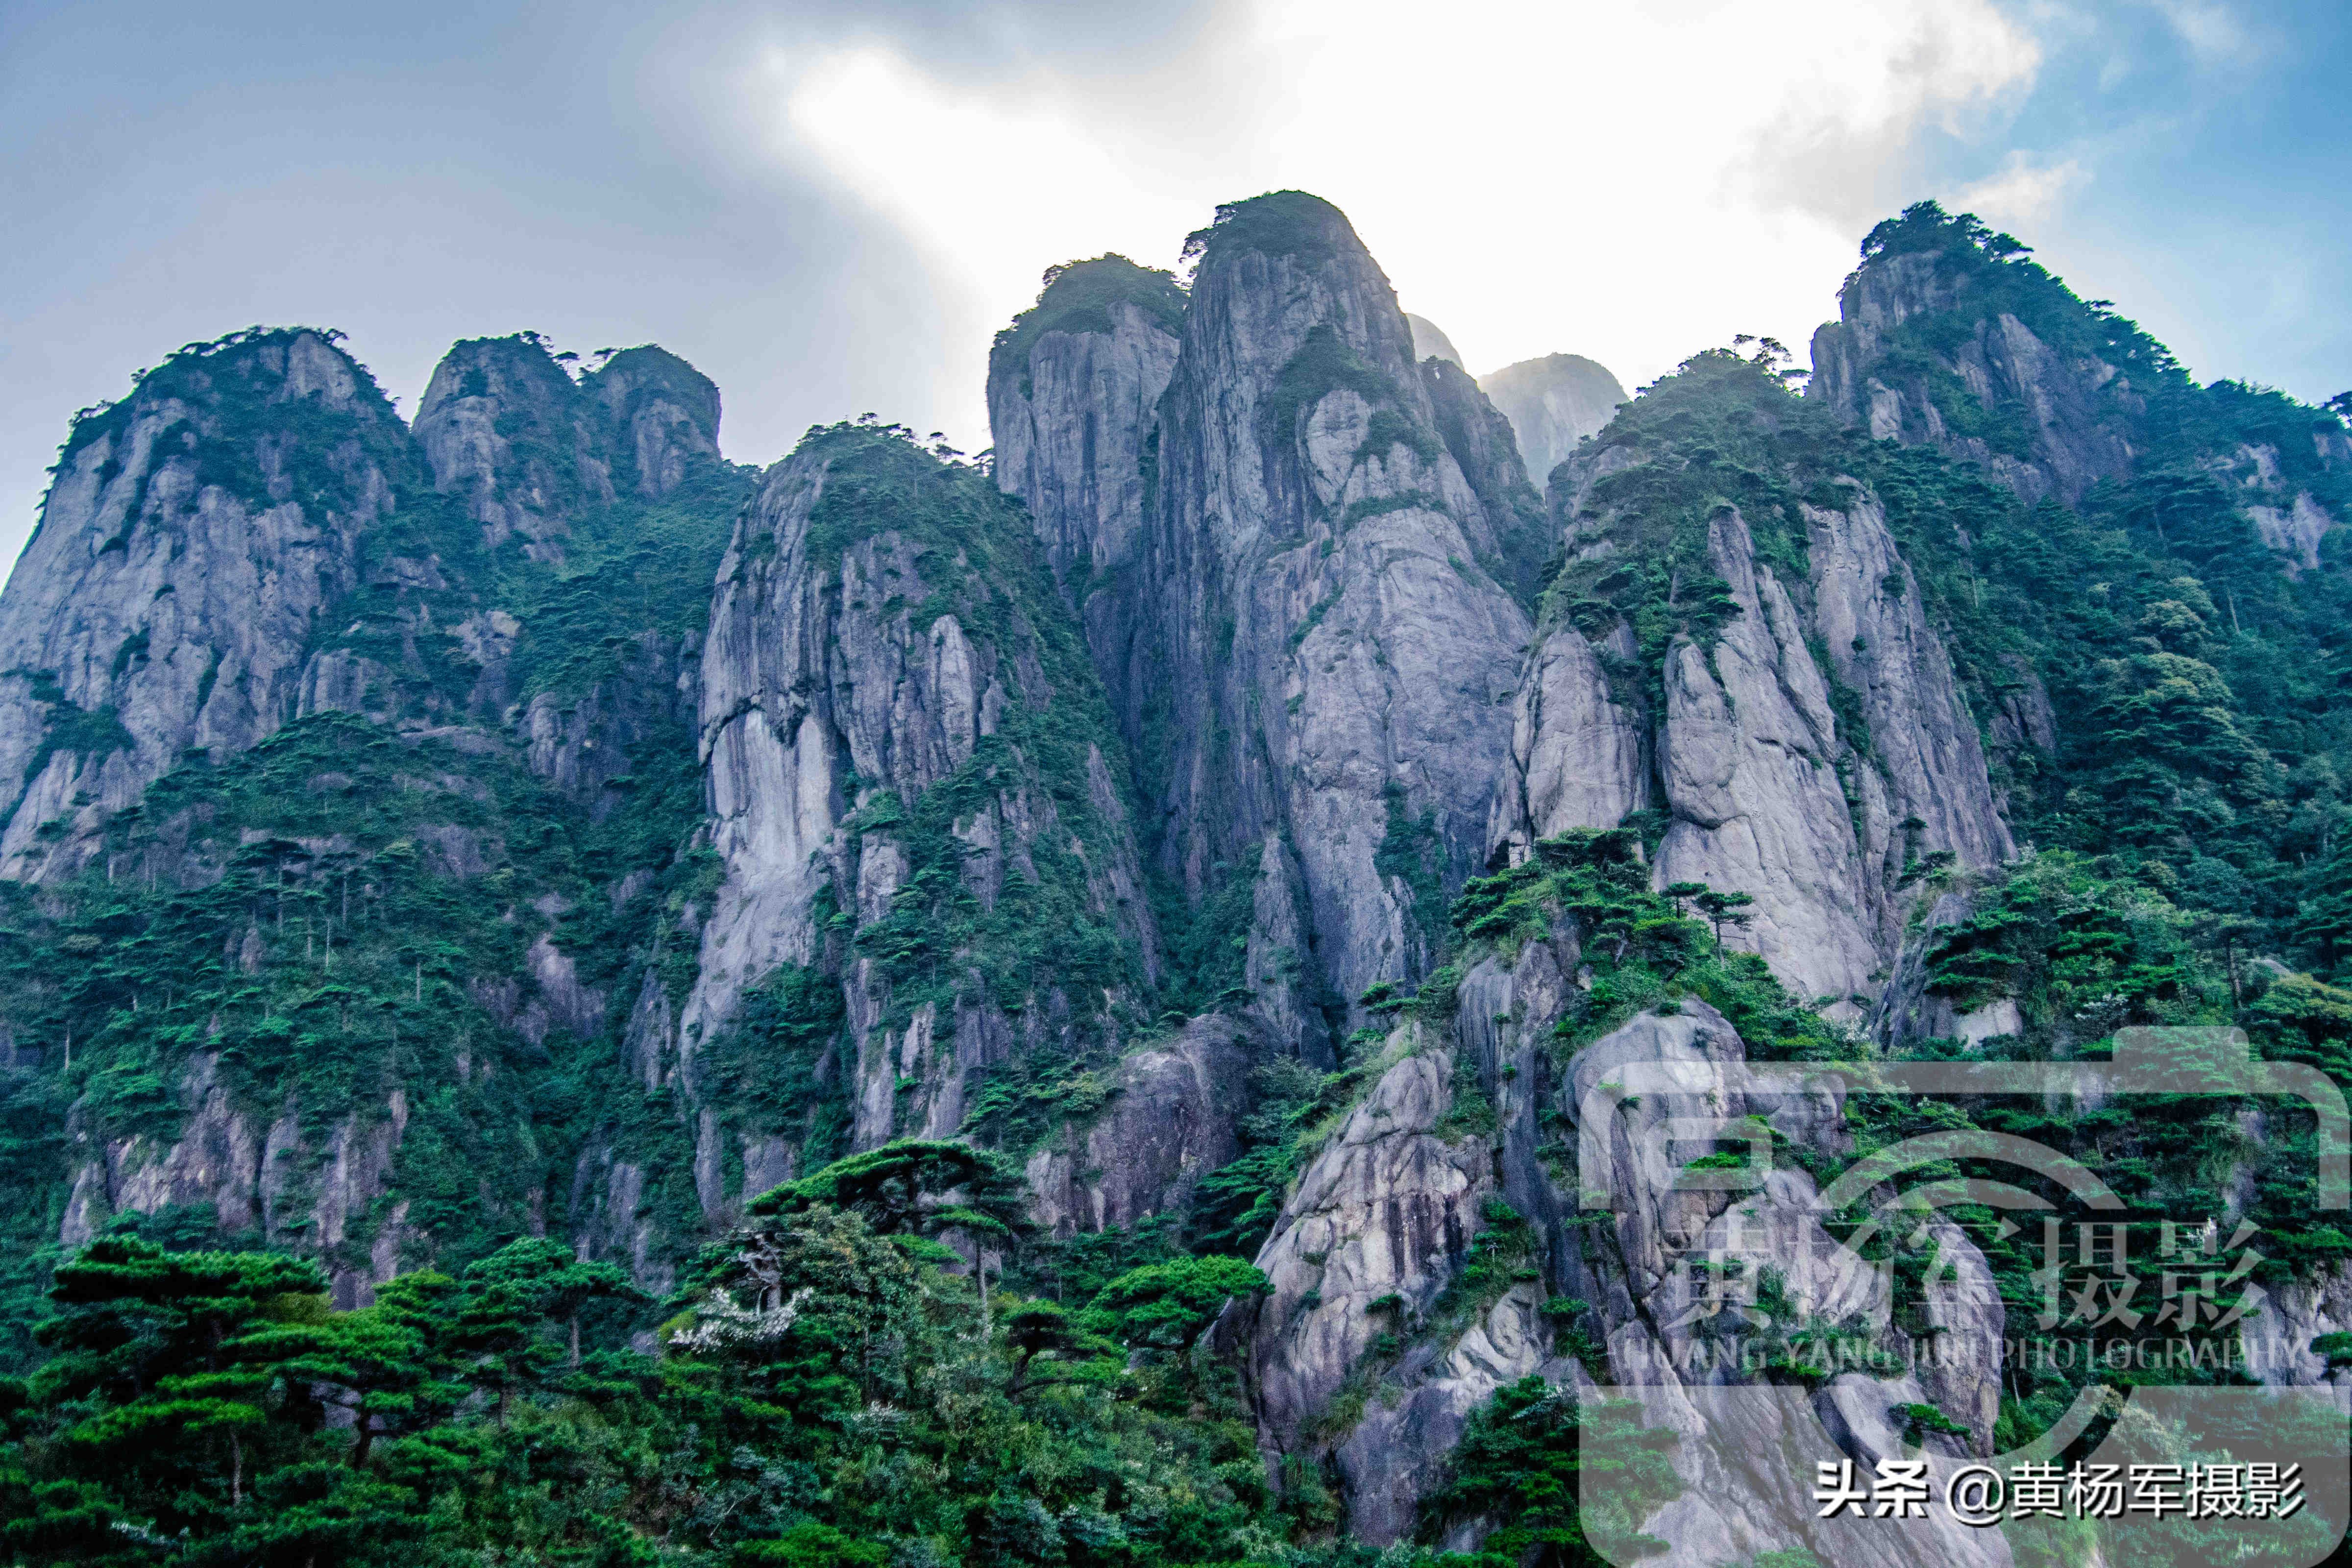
x,y
2214,34
1633,182
2021,193
993,186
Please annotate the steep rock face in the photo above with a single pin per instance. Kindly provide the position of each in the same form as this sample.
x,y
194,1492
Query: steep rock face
x,y
1074,389
914,787
2277,1337
1512,534
1867,615
195,533
1748,756
1368,1353
1430,342
1553,403
1413,1266
1907,1013
1946,336
496,423
261,1180
602,506
1387,1210
527,451
1784,701
1170,1120
661,415
1327,656
1738,1441
1770,799
1578,756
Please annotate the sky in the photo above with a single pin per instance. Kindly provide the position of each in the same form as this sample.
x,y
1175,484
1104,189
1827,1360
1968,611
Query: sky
x,y
830,207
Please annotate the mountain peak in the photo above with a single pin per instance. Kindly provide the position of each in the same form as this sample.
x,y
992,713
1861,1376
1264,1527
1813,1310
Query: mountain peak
x,y
1279,222
658,412
1430,342
1553,403
1078,296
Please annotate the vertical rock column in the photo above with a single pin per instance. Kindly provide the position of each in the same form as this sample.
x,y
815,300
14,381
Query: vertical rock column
x,y
1313,655
914,789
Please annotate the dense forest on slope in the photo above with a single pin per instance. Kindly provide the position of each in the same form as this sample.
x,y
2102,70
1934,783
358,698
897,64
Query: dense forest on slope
x,y
836,1018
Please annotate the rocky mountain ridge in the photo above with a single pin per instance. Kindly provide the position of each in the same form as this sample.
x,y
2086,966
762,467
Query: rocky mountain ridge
x,y
1246,805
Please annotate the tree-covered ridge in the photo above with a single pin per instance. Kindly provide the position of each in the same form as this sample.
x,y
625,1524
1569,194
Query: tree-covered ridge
x,y
2191,446
1280,223
298,947
1076,297
1990,274
2194,722
1722,431
638,551
233,387
358,990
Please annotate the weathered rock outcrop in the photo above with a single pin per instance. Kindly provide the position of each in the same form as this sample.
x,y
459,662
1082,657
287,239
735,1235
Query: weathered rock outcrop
x,y
1579,755
1749,754
2079,408
1438,1248
1771,800
497,424
1907,1014
1384,1215
660,416
1553,403
1171,1118
1946,336
1074,389
913,786
195,534
1326,658
591,478
589,744
530,451
246,538
1369,1353
1511,533
1789,708
2277,1337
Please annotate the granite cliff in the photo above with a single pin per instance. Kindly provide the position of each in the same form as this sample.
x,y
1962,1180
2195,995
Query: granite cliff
x,y
1312,634
1736,643
1553,403
1946,335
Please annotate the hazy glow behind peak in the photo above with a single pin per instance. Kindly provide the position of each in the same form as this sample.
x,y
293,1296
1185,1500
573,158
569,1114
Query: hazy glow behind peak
x,y
830,207
1631,185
